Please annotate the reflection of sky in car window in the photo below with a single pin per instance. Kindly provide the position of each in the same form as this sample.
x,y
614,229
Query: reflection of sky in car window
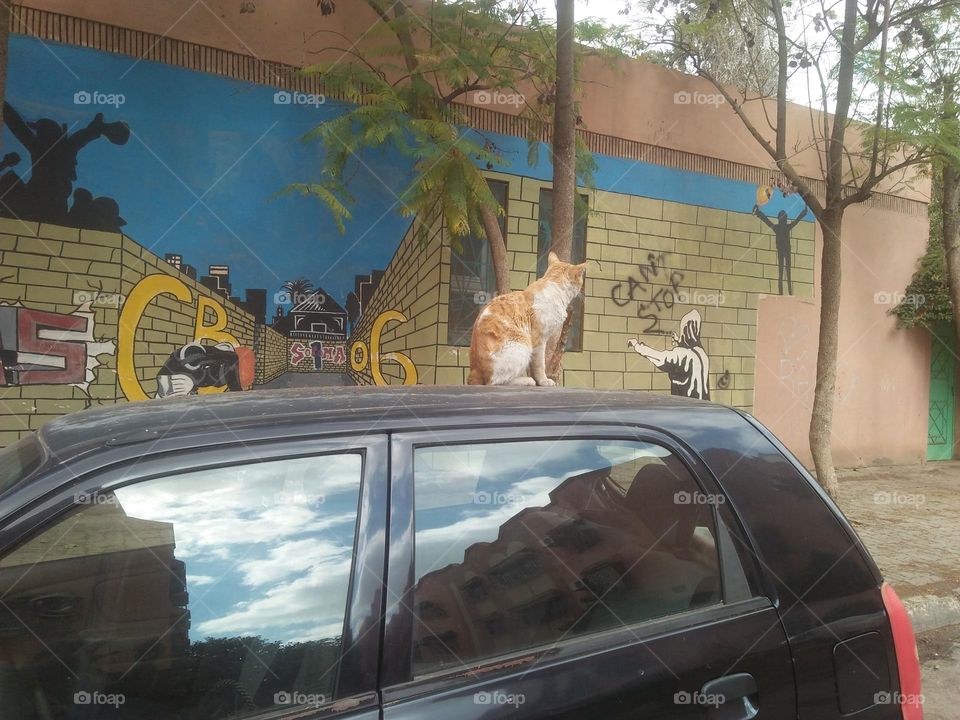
x,y
267,547
464,493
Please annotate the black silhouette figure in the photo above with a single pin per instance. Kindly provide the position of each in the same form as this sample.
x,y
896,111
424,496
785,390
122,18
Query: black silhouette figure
x,y
782,230
53,170
196,366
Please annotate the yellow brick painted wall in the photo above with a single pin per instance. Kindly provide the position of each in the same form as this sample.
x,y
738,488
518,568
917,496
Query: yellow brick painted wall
x,y
723,260
168,323
272,355
57,269
713,260
411,284
307,364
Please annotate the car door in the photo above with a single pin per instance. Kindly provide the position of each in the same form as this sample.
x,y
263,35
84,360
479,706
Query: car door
x,y
570,572
216,583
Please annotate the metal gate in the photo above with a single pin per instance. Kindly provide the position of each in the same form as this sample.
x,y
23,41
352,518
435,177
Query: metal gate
x,y
942,397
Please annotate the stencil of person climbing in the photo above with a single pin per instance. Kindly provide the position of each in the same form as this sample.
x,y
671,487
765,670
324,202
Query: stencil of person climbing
x,y
686,363
781,229
53,170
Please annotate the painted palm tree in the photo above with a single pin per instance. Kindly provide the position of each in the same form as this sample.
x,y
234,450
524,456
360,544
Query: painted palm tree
x,y
297,289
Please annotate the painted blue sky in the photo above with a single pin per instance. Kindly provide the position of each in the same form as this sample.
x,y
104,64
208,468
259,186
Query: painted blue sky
x,y
225,142
207,156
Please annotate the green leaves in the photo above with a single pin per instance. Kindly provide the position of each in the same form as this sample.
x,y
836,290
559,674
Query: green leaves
x,y
404,90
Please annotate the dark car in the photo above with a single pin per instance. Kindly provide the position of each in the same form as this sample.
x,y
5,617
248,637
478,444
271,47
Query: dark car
x,y
435,553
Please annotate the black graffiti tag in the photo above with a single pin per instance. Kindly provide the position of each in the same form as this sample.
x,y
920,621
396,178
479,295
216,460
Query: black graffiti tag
x,y
650,300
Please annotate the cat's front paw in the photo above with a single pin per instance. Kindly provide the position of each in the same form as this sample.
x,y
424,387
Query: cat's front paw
x,y
546,382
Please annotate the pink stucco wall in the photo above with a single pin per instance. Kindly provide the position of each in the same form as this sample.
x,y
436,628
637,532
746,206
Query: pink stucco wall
x,y
882,389
883,379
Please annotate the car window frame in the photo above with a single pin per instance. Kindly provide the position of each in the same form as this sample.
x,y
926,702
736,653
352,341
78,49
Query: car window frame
x,y
357,672
397,678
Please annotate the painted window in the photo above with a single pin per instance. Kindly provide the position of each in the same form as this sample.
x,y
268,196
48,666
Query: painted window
x,y
523,544
473,282
205,594
577,255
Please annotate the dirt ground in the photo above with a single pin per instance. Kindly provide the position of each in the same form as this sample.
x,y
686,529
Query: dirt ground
x,y
940,672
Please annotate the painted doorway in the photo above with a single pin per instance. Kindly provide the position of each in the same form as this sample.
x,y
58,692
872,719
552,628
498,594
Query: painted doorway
x,y
942,394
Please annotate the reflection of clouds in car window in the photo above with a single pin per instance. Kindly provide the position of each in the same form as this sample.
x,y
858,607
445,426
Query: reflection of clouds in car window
x,y
622,453
198,580
314,602
267,547
465,493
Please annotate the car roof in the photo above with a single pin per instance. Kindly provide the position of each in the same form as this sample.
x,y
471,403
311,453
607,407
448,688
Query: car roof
x,y
329,409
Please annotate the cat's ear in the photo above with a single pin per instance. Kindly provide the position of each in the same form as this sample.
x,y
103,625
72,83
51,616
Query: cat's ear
x,y
583,267
552,258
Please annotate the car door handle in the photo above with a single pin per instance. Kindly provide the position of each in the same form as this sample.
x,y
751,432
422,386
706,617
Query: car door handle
x,y
732,697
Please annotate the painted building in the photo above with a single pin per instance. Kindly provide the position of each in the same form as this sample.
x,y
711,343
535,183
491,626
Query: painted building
x,y
179,137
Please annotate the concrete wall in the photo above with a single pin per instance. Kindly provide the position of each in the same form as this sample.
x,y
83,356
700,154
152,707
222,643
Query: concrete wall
x,y
883,379
627,99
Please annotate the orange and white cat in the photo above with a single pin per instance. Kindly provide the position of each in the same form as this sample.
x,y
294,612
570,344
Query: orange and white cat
x,y
512,333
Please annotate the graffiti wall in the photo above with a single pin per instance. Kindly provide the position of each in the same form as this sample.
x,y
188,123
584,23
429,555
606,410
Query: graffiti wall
x,y
148,250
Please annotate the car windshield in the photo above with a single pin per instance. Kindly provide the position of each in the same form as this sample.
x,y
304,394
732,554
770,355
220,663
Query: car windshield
x,y
18,461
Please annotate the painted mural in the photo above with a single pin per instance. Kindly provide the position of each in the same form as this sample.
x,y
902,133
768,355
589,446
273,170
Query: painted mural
x,y
149,251
685,363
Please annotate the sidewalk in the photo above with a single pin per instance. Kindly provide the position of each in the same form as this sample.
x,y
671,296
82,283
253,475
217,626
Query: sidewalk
x,y
909,519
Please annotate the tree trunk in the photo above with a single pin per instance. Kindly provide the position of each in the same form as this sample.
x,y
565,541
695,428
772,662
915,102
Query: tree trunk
x,y
4,51
824,395
950,209
498,249
563,152
564,156
950,205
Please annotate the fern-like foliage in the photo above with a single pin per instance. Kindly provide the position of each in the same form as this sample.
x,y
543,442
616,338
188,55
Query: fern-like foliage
x,y
404,92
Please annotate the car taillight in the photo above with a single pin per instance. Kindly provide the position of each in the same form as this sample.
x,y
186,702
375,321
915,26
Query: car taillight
x,y
908,661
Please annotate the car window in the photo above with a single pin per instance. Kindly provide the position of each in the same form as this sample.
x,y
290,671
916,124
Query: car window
x,y
521,544
18,461
211,594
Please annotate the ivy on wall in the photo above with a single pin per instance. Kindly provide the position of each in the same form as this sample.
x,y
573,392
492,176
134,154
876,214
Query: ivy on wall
x,y
926,300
